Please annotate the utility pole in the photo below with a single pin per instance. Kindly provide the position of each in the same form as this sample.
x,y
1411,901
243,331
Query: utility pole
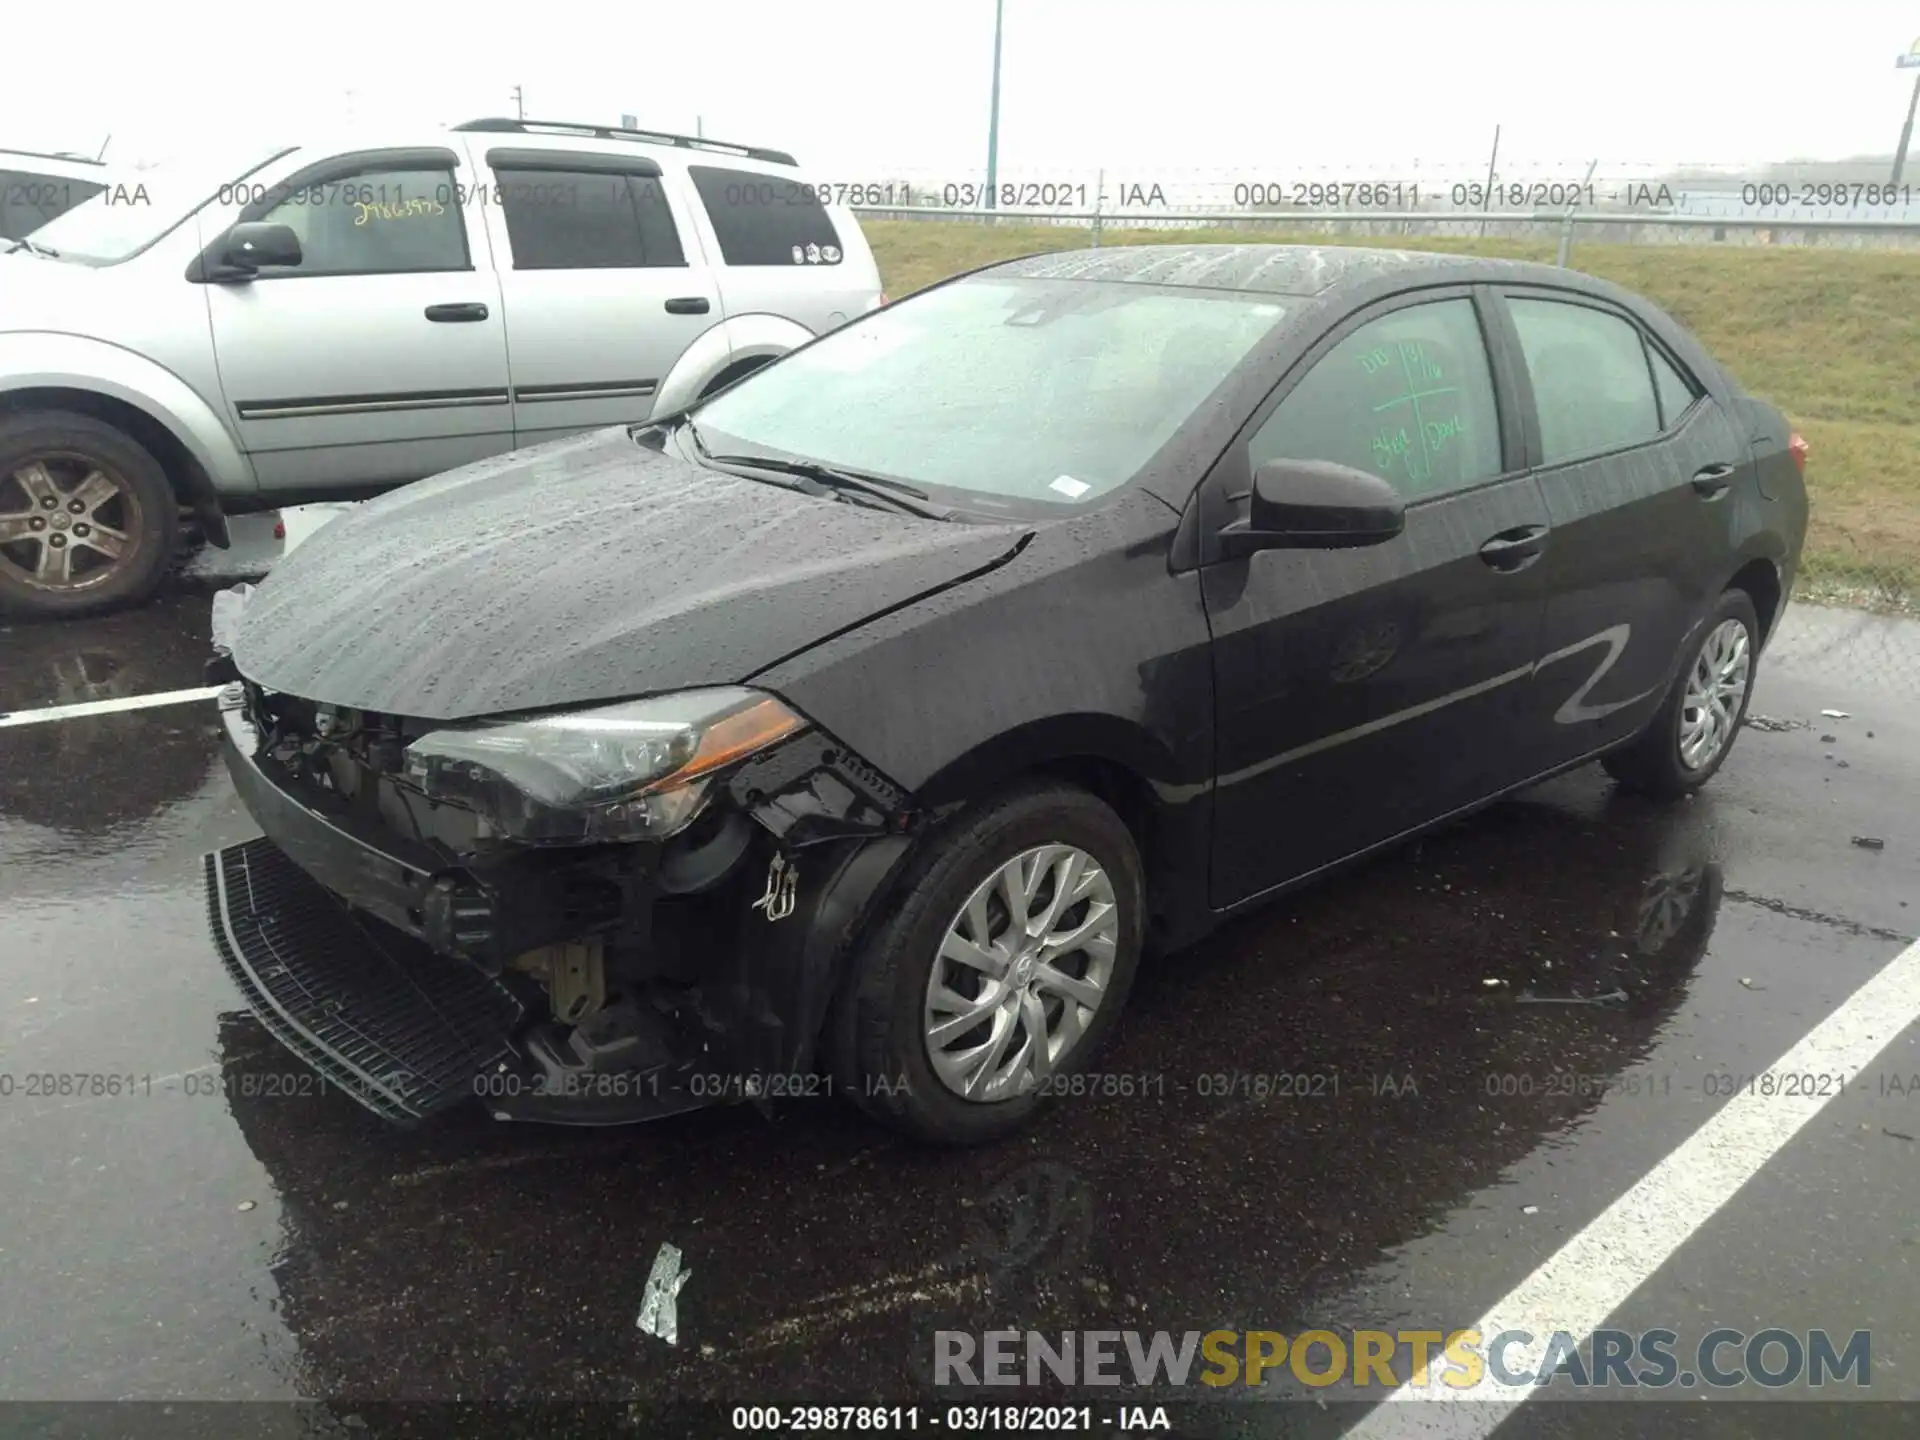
x,y
1908,61
1487,194
699,127
519,107
993,115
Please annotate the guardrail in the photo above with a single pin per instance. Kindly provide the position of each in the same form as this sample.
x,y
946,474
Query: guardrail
x,y
1566,220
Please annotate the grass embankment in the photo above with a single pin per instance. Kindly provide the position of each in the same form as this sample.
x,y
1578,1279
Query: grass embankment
x,y
1831,336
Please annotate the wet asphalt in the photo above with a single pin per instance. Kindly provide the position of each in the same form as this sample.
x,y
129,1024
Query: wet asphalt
x,y
221,1232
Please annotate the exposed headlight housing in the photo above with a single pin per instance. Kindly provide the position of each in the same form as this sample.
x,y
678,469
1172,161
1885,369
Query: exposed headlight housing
x,y
634,771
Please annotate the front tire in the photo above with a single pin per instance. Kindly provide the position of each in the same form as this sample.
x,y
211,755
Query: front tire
x,y
87,519
1689,737
1000,970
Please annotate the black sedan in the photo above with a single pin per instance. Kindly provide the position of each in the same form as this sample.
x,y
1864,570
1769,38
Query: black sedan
x,y
857,730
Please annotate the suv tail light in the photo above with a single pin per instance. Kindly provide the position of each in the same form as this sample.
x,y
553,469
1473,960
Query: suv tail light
x,y
1797,447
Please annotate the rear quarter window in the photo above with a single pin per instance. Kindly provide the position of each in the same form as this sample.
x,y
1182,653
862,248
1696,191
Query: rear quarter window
x,y
762,219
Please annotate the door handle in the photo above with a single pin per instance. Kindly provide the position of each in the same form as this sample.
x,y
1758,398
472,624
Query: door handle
x,y
1713,481
688,305
448,314
1515,549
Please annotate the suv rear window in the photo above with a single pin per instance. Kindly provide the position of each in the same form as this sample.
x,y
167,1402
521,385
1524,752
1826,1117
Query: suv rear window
x,y
765,219
28,200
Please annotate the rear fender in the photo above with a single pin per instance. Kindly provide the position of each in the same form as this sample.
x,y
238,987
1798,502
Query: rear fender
x,y
741,337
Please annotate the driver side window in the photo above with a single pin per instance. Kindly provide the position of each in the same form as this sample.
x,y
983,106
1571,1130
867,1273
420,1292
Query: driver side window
x,y
1407,397
373,222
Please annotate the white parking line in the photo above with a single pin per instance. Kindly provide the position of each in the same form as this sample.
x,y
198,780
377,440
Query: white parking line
x,y
106,707
1594,1273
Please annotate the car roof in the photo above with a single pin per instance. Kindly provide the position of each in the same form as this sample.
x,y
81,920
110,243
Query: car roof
x,y
1296,270
32,158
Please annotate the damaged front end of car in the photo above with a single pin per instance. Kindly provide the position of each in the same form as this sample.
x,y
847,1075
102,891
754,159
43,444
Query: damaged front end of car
x,y
595,916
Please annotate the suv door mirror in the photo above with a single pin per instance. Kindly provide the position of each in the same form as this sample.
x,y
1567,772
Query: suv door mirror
x,y
254,243
1315,505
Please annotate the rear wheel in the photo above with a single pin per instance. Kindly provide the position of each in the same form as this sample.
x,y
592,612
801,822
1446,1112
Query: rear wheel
x,y
1001,970
1689,737
87,519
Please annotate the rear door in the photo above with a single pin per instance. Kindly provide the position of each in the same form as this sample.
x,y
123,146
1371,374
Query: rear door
x,y
603,285
1640,469
380,357
781,249
1362,693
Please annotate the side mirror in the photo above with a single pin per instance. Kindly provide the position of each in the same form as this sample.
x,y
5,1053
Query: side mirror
x,y
1316,505
255,243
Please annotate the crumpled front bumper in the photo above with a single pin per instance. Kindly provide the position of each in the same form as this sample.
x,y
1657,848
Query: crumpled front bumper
x,y
325,929
342,938
402,1030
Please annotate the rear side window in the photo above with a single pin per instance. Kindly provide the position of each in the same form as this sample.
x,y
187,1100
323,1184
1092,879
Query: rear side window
x,y
587,220
28,201
1591,384
1675,391
765,219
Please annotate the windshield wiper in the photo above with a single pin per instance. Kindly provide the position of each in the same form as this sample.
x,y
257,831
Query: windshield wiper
x,y
27,245
850,482
829,478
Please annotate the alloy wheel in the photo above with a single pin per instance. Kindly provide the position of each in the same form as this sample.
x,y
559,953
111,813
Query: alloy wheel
x,y
1716,690
66,521
1022,970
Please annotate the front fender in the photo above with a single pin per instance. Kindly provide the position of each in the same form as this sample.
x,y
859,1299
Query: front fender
x,y
741,337
35,359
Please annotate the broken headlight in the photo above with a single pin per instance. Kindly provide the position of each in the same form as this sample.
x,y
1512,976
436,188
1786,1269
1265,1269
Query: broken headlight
x,y
634,771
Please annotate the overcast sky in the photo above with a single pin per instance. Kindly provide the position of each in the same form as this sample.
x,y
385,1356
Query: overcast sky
x,y
861,89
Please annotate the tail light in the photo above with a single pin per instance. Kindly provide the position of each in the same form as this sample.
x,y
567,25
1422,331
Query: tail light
x,y
1797,448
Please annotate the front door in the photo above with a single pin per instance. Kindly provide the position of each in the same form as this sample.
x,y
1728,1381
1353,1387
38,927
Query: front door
x,y
1361,693
382,356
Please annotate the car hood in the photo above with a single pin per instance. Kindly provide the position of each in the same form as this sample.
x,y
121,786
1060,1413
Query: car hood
x,y
586,569
41,294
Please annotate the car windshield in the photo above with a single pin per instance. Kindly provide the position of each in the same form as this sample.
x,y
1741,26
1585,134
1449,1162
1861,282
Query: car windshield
x,y
1010,391
142,205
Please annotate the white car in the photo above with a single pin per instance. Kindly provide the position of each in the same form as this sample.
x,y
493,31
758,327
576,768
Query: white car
x,y
330,321
36,187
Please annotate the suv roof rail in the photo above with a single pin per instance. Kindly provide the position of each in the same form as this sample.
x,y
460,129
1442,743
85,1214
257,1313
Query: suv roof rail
x,y
498,125
78,159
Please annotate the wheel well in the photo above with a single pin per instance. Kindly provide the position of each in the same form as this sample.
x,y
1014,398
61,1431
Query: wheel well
x,y
190,482
1124,792
1761,581
733,372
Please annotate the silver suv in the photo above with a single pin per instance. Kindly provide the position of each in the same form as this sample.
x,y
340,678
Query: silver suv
x,y
331,322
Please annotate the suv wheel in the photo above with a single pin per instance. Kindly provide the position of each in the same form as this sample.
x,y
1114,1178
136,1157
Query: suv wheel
x,y
1689,737
1001,970
87,519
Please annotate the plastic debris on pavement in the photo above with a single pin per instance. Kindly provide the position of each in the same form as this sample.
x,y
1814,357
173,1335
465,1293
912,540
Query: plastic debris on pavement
x,y
658,1314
